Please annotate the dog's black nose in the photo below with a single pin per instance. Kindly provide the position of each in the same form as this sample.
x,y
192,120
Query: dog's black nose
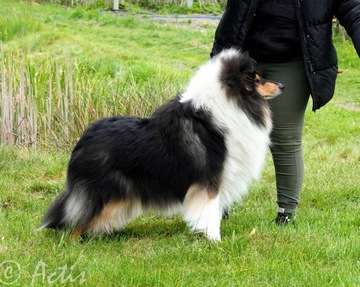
x,y
281,86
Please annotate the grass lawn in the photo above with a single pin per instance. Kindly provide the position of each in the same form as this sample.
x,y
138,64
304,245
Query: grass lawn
x,y
80,64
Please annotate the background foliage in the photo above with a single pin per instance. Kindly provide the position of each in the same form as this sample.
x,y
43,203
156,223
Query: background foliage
x,y
160,6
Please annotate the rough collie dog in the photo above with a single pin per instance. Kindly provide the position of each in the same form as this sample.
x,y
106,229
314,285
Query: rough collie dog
x,y
197,154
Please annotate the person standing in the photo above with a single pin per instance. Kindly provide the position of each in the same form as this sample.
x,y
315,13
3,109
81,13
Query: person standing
x,y
292,42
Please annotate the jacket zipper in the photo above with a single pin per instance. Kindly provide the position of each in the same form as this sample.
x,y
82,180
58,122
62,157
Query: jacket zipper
x,y
301,31
306,54
250,15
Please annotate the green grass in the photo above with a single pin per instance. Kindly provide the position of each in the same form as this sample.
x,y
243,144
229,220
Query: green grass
x,y
129,65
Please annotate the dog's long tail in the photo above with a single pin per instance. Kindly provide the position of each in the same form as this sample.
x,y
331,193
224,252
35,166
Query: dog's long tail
x,y
54,217
67,211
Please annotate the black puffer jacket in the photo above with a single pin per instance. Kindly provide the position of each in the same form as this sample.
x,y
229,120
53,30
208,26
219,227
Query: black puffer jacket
x,y
315,22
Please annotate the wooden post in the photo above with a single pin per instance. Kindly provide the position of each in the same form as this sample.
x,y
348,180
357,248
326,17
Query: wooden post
x,y
116,5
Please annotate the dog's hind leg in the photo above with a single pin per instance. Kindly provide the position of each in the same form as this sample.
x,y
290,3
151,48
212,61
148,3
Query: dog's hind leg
x,y
202,211
115,215
77,232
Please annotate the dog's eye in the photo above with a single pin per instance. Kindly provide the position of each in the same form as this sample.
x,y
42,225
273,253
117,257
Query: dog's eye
x,y
250,81
251,77
256,81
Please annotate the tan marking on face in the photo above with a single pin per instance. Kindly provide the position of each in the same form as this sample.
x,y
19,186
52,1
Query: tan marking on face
x,y
267,89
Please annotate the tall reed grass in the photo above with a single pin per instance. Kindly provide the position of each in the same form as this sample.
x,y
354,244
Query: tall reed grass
x,y
49,104
18,113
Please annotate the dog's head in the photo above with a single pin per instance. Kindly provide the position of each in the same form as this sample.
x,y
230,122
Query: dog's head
x,y
245,87
265,88
240,78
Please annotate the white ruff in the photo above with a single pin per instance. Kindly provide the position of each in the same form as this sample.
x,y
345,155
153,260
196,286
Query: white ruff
x,y
246,142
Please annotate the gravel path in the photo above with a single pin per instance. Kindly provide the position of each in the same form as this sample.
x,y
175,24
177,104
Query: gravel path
x,y
191,21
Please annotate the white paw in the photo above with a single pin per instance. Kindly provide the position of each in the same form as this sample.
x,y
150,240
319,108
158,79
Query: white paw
x,y
213,236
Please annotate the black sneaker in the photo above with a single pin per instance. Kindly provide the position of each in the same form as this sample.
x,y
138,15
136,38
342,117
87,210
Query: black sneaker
x,y
225,214
284,218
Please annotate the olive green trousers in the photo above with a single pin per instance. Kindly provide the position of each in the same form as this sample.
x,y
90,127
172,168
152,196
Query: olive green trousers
x,y
288,111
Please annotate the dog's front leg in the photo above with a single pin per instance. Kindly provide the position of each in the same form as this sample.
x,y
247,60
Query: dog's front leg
x,y
202,212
